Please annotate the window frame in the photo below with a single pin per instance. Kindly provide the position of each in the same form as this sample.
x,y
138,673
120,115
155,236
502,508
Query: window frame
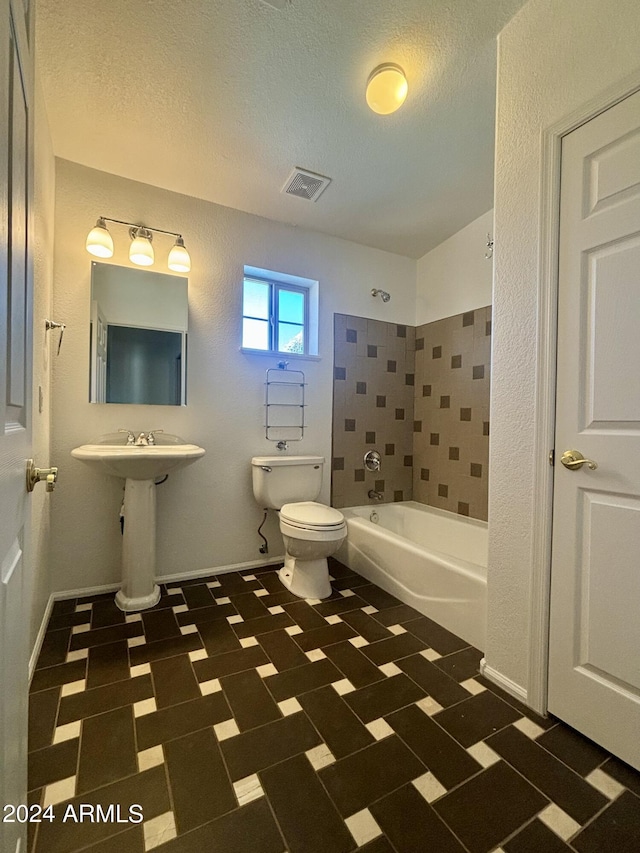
x,y
275,288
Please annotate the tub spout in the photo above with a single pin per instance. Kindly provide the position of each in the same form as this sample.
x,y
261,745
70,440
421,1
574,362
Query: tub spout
x,y
375,496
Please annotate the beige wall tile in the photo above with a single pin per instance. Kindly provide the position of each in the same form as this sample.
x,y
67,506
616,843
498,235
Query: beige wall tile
x,y
473,345
454,339
369,417
377,332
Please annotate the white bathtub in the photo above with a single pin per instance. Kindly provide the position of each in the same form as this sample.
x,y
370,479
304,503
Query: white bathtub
x,y
433,560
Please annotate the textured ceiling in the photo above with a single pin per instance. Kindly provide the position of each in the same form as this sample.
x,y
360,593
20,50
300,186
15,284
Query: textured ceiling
x,y
219,99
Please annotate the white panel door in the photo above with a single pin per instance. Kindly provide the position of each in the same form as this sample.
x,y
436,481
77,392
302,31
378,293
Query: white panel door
x,y
594,667
15,403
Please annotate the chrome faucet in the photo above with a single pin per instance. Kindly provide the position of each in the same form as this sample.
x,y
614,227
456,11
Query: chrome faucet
x,y
376,496
145,439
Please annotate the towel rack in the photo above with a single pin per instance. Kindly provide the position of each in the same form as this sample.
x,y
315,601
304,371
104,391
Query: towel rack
x,y
284,404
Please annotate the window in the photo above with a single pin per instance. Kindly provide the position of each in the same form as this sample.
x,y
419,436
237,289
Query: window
x,y
275,316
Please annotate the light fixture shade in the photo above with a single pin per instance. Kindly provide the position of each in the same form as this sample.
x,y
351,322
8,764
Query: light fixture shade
x,y
99,241
387,89
179,259
141,250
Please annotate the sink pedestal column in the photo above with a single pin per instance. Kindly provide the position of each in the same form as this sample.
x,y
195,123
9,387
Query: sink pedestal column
x,y
139,589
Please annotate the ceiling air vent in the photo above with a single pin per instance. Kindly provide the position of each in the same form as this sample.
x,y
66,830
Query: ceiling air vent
x,y
305,184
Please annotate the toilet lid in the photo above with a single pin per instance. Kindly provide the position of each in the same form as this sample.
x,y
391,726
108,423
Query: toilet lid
x,y
311,514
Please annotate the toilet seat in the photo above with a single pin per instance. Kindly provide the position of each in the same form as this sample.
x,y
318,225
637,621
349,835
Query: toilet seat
x,y
309,515
311,534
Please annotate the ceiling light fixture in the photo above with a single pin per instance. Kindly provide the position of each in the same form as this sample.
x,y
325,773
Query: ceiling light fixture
x,y
100,243
387,88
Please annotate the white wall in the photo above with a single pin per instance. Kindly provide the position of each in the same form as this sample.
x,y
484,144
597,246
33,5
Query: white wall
x,y
455,276
206,513
43,348
552,58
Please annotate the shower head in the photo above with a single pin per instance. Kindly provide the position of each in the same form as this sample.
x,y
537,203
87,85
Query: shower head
x,y
381,293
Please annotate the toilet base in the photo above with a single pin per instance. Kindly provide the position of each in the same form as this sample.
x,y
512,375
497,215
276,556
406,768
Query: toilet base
x,y
306,578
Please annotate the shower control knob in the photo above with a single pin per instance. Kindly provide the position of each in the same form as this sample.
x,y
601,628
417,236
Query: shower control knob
x,y
372,460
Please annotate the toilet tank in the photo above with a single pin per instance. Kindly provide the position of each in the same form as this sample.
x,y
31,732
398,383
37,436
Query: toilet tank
x,y
279,480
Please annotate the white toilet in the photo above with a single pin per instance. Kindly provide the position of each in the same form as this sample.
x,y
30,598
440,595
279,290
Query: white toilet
x,y
311,531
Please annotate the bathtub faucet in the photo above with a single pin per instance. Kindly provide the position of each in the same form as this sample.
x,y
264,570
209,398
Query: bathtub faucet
x,y
376,496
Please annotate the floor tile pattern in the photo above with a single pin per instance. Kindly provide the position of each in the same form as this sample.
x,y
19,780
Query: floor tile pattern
x,y
245,720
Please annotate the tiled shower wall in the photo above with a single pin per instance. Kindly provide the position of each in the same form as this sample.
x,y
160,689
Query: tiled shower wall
x,y
451,441
421,398
373,393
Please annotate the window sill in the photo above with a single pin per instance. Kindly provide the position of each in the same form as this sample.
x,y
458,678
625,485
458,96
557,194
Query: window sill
x,y
281,356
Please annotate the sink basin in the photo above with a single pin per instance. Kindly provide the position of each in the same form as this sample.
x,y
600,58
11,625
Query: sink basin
x,y
140,466
138,463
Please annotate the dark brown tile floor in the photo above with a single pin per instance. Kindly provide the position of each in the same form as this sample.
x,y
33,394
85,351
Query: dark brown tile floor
x,y
241,719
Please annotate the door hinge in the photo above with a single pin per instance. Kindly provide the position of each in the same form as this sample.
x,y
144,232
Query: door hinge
x,y
552,457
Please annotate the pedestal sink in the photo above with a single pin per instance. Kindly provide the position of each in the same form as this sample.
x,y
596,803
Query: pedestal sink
x,y
140,466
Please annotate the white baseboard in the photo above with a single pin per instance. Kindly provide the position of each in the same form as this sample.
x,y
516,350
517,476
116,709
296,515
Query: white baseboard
x,y
42,630
500,680
82,592
62,595
220,570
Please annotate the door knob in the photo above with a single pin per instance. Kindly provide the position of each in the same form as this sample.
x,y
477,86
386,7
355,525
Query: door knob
x,y
37,475
573,459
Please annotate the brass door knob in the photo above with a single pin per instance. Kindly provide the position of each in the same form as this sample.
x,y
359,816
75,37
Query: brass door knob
x,y
573,459
37,475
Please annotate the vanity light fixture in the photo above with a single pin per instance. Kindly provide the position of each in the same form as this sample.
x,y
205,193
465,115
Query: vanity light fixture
x,y
100,243
141,250
179,260
387,88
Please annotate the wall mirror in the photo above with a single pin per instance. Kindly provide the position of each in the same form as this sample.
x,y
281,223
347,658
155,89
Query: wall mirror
x,y
138,336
